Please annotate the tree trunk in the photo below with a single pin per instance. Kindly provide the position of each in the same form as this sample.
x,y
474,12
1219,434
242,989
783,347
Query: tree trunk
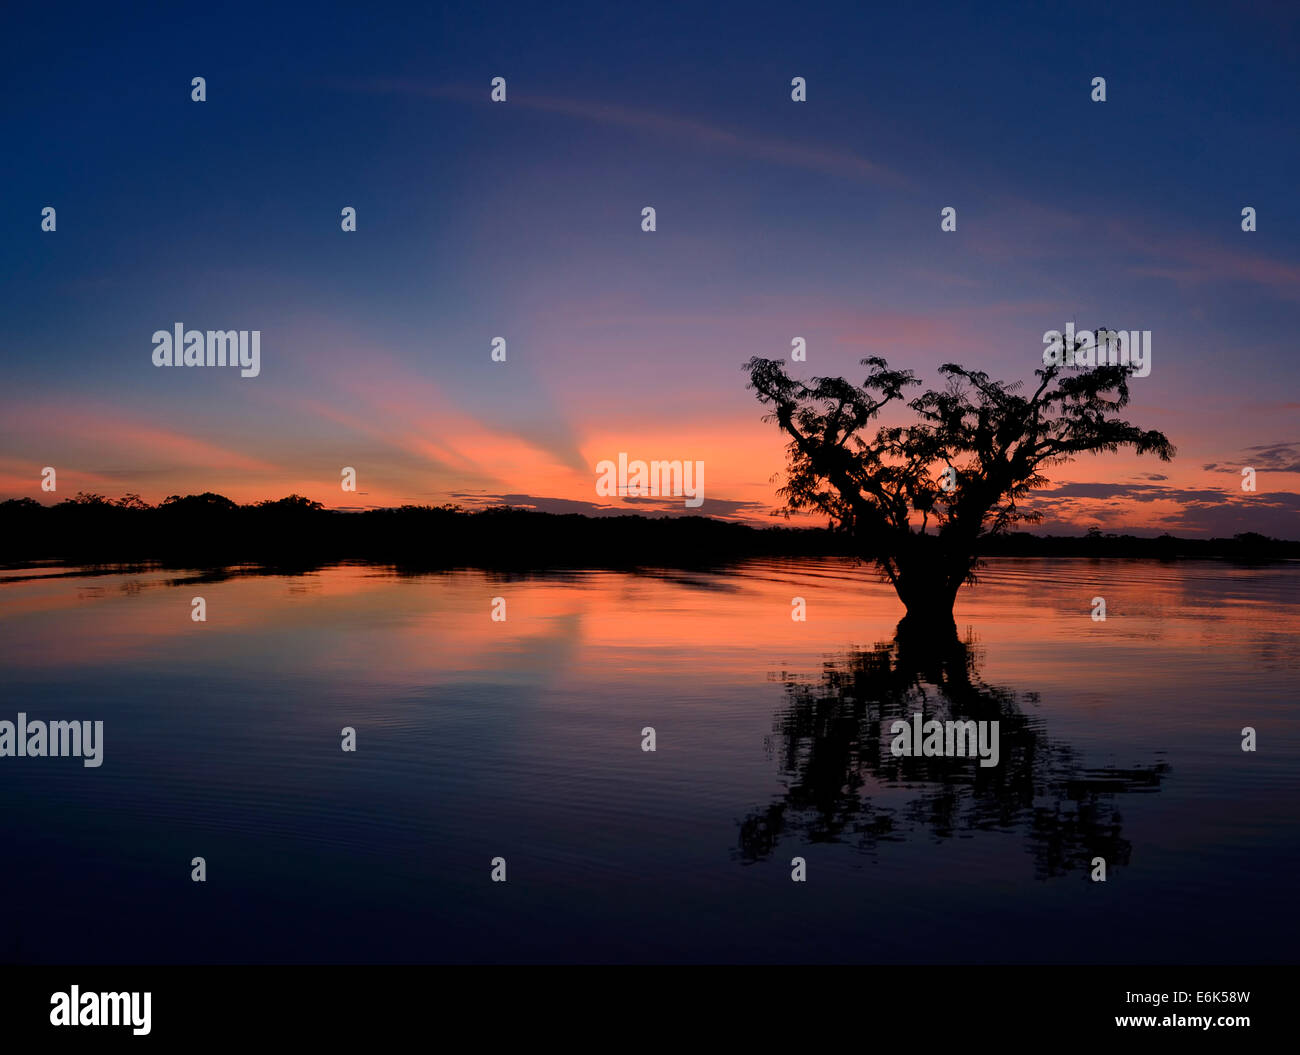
x,y
934,618
929,604
927,584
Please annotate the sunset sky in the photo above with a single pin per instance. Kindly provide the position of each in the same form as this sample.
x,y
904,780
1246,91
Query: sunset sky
x,y
522,219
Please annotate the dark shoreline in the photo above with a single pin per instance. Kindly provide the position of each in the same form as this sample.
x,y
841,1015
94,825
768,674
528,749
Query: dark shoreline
x,y
210,531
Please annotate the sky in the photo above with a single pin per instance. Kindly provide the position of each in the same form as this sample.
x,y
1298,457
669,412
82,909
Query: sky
x,y
775,219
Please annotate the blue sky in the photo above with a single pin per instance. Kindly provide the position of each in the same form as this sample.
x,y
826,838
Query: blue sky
x,y
522,219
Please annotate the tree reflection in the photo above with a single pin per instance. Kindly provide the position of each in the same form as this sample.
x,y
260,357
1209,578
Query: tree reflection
x,y
843,784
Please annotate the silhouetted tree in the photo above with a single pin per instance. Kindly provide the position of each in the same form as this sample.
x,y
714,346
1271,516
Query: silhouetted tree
x,y
208,502
291,504
15,505
920,499
131,500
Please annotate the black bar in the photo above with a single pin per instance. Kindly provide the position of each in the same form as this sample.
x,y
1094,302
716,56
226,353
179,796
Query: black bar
x,y
812,1008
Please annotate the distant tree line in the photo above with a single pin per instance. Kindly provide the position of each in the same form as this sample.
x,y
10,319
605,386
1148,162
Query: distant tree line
x,y
209,529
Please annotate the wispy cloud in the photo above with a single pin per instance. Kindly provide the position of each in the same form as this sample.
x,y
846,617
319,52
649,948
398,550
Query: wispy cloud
x,y
1272,457
1147,508
827,160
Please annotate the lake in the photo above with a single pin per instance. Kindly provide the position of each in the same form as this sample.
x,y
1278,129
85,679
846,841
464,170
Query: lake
x,y
522,739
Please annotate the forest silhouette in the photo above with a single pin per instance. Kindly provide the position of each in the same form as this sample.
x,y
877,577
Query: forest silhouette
x,y
210,530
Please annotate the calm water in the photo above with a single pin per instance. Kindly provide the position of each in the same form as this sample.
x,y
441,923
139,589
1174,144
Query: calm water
x,y
522,739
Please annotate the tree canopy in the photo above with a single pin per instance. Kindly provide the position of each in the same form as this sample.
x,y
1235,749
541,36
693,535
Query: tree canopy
x,y
919,498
